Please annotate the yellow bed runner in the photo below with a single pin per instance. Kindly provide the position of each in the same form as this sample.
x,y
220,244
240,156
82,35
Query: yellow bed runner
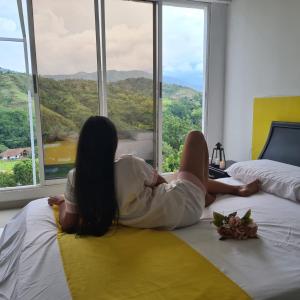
x,y
140,264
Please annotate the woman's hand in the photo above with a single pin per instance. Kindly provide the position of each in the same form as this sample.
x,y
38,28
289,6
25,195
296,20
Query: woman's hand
x,y
56,200
209,199
160,180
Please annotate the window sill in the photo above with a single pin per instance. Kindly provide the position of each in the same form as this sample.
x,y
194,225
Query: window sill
x,y
17,197
20,196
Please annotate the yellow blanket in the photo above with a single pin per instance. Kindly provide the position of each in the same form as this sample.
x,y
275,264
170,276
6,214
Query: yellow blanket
x,y
131,263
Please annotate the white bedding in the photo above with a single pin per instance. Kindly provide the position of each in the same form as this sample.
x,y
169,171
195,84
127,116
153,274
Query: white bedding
x,y
266,268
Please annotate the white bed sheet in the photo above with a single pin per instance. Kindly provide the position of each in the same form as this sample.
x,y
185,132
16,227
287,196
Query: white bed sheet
x,y
30,261
266,268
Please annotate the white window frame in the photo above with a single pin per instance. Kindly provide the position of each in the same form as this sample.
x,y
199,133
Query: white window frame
x,y
18,196
189,4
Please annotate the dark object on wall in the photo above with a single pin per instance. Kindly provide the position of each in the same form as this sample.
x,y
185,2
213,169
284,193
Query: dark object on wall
x,y
283,143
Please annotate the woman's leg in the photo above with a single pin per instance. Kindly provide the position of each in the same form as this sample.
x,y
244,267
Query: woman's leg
x,y
217,187
194,157
195,160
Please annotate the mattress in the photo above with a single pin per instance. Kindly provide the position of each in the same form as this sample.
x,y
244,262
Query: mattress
x,y
266,268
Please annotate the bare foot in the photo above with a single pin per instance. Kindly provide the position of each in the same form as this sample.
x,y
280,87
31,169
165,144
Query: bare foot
x,y
209,199
248,189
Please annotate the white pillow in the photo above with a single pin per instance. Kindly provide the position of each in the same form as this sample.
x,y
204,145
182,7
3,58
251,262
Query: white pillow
x,y
276,178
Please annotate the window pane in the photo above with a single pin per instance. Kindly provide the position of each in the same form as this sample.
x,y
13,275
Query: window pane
x,y
183,44
67,65
9,19
17,137
129,59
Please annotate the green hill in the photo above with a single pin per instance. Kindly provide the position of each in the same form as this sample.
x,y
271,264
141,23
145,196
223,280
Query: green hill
x,y
178,92
13,89
66,104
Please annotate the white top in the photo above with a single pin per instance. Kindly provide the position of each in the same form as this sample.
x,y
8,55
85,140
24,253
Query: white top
x,y
144,205
134,179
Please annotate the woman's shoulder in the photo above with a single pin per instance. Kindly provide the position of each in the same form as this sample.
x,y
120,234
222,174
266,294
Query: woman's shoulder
x,y
129,159
124,157
71,172
71,175
129,163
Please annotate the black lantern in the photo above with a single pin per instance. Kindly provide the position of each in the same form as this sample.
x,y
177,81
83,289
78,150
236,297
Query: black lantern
x,y
218,157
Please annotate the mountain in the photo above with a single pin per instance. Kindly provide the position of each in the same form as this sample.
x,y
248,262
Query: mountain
x,y
112,75
191,79
13,89
67,103
3,70
178,92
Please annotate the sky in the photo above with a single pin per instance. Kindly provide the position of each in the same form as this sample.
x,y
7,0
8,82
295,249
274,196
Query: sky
x,y
65,37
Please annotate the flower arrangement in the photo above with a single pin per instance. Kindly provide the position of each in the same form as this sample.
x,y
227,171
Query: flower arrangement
x,y
234,227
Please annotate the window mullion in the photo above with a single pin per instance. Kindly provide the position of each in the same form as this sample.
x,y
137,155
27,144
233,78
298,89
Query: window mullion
x,y
35,92
101,55
29,94
158,83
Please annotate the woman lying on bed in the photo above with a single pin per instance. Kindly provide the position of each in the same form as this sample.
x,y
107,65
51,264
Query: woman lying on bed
x,y
101,191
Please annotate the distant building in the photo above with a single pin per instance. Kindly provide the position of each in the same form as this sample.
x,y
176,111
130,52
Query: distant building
x,y
18,153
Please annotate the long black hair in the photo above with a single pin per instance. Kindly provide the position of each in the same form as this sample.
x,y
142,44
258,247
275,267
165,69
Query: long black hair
x,y
95,177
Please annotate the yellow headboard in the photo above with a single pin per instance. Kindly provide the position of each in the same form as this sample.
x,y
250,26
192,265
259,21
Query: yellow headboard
x,y
266,110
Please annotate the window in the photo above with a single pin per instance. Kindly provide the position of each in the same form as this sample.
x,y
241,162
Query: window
x,y
130,82
102,57
183,47
18,162
67,82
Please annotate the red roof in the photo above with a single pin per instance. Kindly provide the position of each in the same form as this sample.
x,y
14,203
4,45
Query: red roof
x,y
15,152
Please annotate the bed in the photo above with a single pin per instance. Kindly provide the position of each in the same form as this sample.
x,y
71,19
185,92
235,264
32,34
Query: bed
x,y
265,268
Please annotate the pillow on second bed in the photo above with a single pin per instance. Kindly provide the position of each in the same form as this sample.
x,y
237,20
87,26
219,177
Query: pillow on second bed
x,y
276,178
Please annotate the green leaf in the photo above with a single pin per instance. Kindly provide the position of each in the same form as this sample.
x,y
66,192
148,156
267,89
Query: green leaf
x,y
247,215
218,219
217,223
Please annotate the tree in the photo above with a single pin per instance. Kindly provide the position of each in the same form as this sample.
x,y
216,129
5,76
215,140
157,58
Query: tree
x,y
2,148
7,179
175,130
179,117
23,172
171,162
14,129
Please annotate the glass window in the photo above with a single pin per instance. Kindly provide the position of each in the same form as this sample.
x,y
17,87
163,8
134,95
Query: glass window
x,y
18,165
129,61
182,94
9,19
65,40
67,65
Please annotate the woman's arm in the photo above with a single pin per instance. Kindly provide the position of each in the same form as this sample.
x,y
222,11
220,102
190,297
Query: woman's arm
x,y
160,180
67,220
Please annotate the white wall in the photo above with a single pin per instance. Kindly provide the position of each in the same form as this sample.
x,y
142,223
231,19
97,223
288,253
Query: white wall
x,y
216,72
263,59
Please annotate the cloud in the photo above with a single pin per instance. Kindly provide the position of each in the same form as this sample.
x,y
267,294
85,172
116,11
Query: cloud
x,y
66,41
7,27
63,48
60,51
183,39
130,48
